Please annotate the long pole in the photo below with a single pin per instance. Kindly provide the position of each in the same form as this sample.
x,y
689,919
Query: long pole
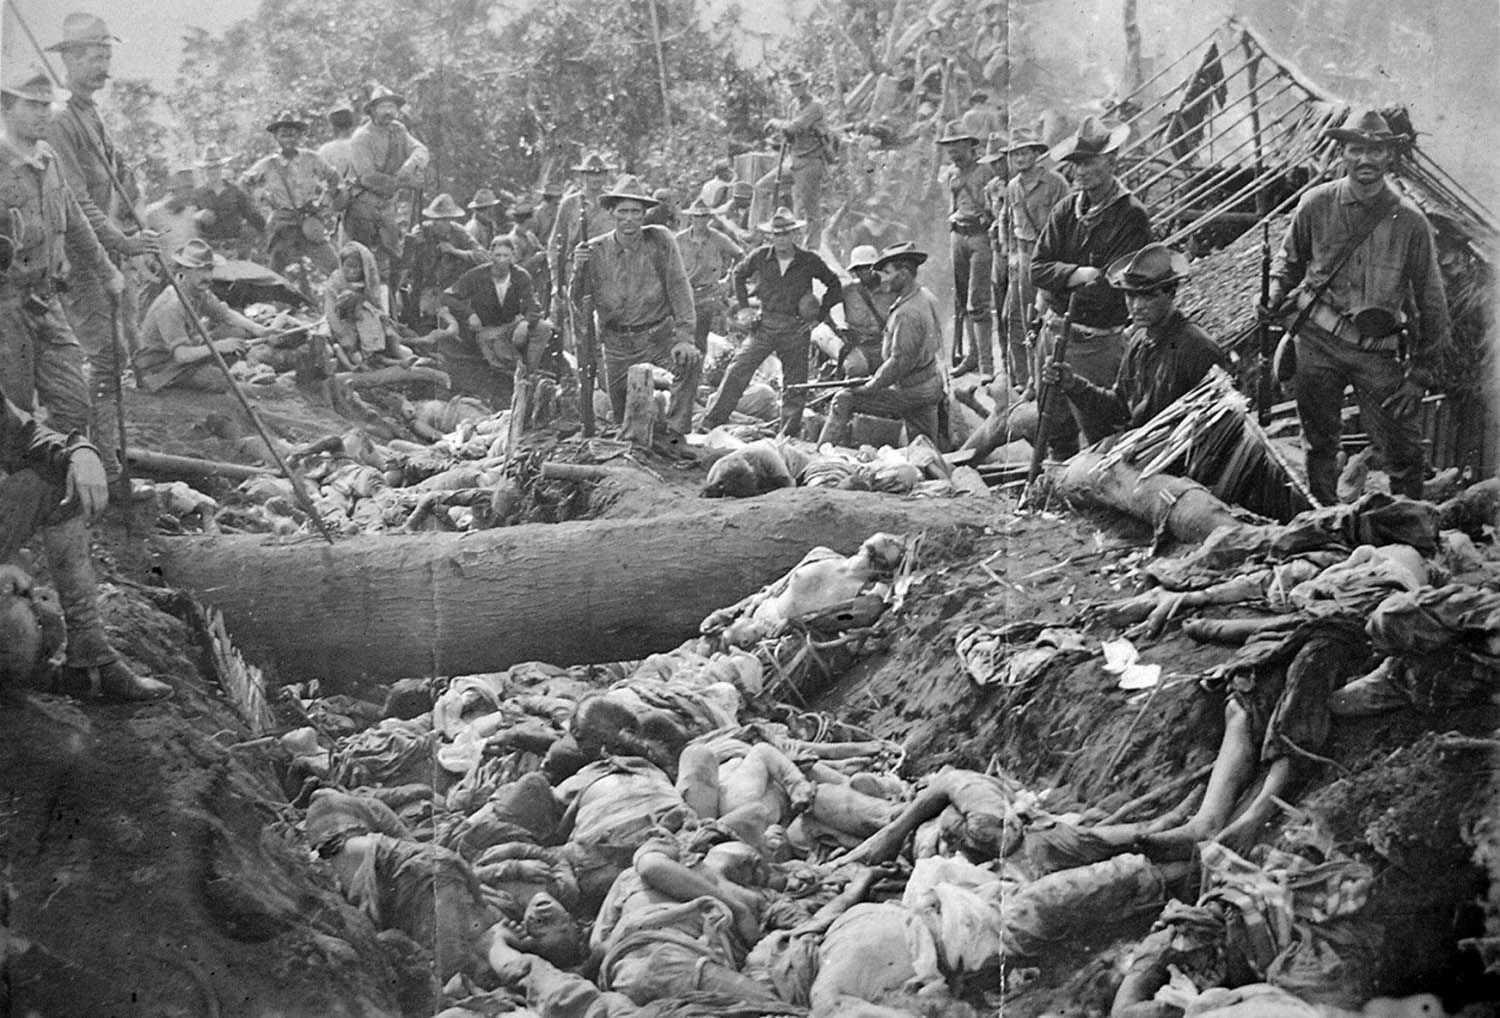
x,y
661,68
304,501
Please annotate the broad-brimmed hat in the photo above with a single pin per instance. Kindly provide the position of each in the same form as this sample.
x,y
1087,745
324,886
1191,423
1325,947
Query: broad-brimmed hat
x,y
782,222
1091,139
904,252
195,254
80,29
1369,127
994,149
1153,266
958,133
287,118
483,198
380,94
29,83
213,155
863,256
443,207
794,79
699,207
742,189
1023,138
627,188
342,107
522,210
592,163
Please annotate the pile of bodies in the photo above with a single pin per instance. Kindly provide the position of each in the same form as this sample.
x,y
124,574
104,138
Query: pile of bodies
x,y
664,838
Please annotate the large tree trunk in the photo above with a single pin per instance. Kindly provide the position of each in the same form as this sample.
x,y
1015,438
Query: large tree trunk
x,y
387,607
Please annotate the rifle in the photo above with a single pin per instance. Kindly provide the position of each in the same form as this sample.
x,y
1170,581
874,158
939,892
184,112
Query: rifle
x,y
960,319
776,186
832,383
583,335
1265,341
1044,395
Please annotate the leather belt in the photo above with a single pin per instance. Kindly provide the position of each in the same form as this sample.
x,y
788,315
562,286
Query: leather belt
x,y
636,330
1326,322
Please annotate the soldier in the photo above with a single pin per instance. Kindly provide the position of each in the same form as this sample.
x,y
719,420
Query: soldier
x,y
91,165
735,213
441,250
531,252
867,306
546,211
644,305
805,136
908,384
565,234
292,181
228,219
385,159
174,218
338,151
41,360
1356,256
969,221
1030,195
486,219
715,190
784,272
1083,234
665,212
707,255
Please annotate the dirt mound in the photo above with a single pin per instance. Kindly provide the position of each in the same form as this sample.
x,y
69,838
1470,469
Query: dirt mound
x,y
149,870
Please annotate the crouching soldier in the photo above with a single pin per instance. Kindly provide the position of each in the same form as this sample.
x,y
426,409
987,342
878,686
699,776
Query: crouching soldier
x,y
909,383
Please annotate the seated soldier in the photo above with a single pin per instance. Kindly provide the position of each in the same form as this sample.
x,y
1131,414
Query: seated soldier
x,y
360,332
1166,354
498,304
171,351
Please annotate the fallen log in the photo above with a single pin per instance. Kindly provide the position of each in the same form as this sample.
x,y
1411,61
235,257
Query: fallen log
x,y
1185,509
394,606
591,472
188,468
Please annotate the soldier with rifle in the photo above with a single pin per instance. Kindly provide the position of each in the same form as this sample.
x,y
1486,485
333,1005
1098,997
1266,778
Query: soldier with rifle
x,y
634,279
579,216
969,220
805,148
1100,223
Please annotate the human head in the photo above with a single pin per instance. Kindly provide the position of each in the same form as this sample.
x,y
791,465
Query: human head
x,y
1368,146
385,111
724,171
341,118
897,266
182,183
502,256
884,551
666,197
799,84
86,48
598,723
549,931
194,263
591,173
784,230
1149,279
1092,172
288,129
352,265
699,214
862,264
26,102
1022,159
959,144
1092,152
627,201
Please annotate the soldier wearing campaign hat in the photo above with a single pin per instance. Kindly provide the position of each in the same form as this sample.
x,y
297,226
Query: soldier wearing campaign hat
x,y
294,183
1166,354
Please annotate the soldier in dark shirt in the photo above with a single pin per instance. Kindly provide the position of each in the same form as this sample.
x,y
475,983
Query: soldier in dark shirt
x,y
1167,354
1100,223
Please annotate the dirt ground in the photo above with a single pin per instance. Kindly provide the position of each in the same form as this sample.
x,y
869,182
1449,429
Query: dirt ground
x,y
150,868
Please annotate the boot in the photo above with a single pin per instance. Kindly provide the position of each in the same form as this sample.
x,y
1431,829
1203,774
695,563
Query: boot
x,y
92,668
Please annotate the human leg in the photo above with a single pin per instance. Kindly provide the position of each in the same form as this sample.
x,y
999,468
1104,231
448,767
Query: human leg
x,y
807,197
747,358
1096,358
1234,767
1398,438
980,265
685,376
792,350
1319,390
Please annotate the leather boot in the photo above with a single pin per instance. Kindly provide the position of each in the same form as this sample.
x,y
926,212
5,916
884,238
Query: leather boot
x,y
91,668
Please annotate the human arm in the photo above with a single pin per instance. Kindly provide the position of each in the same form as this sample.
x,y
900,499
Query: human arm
x,y
529,307
247,209
226,315
1050,270
741,277
1290,262
1423,270
834,287
86,254
68,138
905,343
415,166
807,118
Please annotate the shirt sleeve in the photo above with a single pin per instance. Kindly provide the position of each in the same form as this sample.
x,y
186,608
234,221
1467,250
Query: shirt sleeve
x,y
85,252
809,117
679,290
742,273
1290,263
905,344
834,293
67,144
26,443
1048,269
1426,277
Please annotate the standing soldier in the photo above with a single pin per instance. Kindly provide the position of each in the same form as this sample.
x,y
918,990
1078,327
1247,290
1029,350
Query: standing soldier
x,y
41,360
291,181
565,235
640,291
385,159
969,222
546,212
229,220
1034,189
908,384
1355,257
90,163
1100,223
784,272
805,139
707,255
